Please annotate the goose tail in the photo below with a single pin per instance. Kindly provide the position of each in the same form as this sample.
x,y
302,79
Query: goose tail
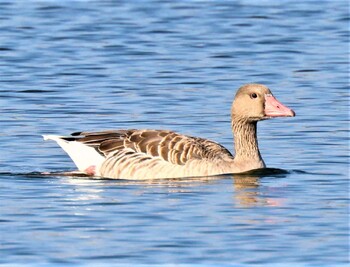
x,y
86,158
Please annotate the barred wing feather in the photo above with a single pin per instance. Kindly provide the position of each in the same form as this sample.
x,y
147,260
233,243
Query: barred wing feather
x,y
166,145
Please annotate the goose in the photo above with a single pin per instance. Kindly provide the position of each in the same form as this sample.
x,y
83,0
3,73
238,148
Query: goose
x,y
152,154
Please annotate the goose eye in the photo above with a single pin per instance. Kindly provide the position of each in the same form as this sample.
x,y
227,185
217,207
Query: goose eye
x,y
253,95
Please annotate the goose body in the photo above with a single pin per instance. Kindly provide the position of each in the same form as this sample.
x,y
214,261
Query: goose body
x,y
147,154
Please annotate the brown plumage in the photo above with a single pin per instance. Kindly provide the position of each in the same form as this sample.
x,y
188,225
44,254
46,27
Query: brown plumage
x,y
146,154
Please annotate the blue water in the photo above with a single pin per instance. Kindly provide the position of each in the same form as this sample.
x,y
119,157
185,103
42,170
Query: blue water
x,y
67,66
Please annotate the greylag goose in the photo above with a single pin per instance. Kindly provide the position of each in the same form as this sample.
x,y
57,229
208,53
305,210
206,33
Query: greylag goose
x,y
147,154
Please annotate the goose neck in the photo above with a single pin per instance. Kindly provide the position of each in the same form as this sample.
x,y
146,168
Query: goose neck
x,y
245,140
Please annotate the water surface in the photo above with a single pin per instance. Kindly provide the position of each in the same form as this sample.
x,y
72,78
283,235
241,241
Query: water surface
x,y
69,66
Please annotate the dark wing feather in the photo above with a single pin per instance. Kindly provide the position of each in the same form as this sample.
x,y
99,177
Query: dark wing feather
x,y
168,145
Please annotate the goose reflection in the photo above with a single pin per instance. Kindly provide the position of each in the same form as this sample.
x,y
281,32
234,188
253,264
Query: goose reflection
x,y
247,191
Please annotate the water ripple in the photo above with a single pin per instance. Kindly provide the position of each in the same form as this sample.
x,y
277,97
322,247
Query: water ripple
x,y
167,64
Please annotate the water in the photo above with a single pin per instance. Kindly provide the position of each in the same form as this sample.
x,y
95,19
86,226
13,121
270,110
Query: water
x,y
68,66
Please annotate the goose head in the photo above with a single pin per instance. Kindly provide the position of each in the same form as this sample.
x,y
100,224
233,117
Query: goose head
x,y
255,102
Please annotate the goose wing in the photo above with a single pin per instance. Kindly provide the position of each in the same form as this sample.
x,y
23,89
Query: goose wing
x,y
166,145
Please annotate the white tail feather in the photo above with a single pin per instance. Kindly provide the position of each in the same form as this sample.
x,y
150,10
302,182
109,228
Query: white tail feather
x,y
82,155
